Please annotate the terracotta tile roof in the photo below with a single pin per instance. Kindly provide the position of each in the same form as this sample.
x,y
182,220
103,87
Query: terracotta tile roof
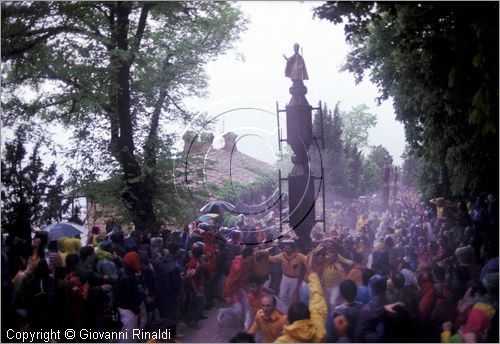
x,y
235,166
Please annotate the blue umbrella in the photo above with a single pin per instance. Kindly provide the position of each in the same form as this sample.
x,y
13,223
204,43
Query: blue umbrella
x,y
207,217
63,229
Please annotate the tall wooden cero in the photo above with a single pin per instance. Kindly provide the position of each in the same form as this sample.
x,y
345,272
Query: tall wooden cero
x,y
299,135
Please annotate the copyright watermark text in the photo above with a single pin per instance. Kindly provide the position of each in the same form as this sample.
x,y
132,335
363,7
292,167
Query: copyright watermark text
x,y
83,334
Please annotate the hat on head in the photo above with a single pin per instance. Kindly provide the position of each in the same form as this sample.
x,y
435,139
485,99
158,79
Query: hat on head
x,y
133,261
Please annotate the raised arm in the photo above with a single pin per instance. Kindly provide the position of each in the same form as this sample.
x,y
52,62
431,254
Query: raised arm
x,y
277,258
317,304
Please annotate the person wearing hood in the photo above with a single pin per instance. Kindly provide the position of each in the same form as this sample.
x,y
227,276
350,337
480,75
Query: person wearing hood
x,y
67,246
106,265
307,324
129,295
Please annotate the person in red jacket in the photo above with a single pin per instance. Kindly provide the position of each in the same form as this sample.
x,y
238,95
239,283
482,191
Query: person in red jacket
x,y
233,285
210,254
194,284
428,300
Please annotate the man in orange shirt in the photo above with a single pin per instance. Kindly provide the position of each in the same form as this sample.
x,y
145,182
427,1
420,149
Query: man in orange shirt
x,y
268,321
292,264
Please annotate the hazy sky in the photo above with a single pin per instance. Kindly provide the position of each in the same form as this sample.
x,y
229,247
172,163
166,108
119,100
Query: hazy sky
x,y
257,80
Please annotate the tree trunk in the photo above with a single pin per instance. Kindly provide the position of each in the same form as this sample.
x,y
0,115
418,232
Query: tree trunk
x,y
137,194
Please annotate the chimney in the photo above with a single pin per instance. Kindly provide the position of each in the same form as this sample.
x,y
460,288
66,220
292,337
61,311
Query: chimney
x,y
230,142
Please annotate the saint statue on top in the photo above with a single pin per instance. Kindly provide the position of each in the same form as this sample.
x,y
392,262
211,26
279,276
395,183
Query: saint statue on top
x,y
295,65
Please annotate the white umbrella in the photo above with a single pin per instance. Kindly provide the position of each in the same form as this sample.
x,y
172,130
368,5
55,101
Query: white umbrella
x,y
217,207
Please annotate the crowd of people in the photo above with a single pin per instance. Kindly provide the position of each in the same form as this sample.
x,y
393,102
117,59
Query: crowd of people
x,y
417,272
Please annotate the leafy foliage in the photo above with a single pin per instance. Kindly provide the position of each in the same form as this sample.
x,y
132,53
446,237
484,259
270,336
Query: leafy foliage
x,y
356,123
31,192
373,168
348,173
114,73
439,64
250,194
231,191
409,168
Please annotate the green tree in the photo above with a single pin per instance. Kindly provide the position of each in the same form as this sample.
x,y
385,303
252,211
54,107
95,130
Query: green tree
x,y
371,177
356,124
331,157
31,193
439,64
354,163
378,155
410,168
106,193
348,173
373,166
115,73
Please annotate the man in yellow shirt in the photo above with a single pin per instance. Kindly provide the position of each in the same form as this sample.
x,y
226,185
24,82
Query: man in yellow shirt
x,y
362,220
292,263
268,321
333,274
